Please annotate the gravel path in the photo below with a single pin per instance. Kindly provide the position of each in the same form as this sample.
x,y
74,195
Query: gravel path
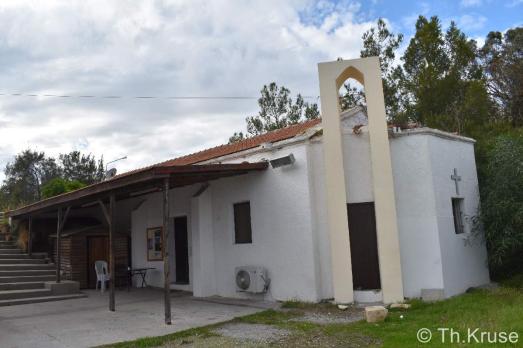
x,y
322,318
252,332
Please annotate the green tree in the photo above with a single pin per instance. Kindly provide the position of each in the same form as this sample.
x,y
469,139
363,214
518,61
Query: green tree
x,y
442,80
502,204
25,176
502,57
379,41
58,186
76,166
33,176
277,110
353,96
237,136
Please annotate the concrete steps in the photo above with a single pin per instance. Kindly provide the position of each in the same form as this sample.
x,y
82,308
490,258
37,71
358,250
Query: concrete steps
x,y
24,279
27,266
25,261
8,246
22,256
27,272
10,251
40,299
24,293
21,286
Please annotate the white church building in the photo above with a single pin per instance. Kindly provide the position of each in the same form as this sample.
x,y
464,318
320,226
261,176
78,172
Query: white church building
x,y
274,221
343,207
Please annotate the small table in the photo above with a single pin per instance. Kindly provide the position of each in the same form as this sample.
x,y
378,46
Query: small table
x,y
138,271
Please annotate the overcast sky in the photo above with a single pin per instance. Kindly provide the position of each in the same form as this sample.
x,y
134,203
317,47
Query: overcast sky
x,y
178,48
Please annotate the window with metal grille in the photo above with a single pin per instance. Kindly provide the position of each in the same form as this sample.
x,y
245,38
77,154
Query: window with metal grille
x,y
457,212
242,223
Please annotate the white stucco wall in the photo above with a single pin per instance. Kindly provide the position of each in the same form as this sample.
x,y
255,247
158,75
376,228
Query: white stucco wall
x,y
203,270
321,235
358,167
417,217
282,239
422,164
433,256
150,214
464,256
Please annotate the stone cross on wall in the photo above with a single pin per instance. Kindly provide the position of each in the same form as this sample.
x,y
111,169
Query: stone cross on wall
x,y
456,179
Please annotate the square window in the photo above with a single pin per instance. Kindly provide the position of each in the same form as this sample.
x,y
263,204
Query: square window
x,y
242,223
457,212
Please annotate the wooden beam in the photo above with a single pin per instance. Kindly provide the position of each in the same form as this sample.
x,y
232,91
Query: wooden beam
x,y
110,217
166,271
106,214
64,219
30,236
58,246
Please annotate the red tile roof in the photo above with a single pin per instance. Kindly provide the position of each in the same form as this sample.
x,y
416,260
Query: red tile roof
x,y
227,149
249,143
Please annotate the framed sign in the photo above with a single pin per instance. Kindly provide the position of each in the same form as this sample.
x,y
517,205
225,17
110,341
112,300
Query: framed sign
x,y
155,244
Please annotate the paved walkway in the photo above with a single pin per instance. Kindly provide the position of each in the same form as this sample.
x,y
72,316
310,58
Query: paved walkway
x,y
87,322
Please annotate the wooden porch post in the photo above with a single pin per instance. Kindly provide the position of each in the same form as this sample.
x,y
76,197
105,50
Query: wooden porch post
x,y
109,218
111,253
30,236
59,227
166,271
58,242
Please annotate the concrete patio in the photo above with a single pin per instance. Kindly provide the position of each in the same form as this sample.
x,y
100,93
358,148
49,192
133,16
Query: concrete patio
x,y
87,322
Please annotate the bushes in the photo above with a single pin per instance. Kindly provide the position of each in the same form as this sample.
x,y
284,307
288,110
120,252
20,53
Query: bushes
x,y
58,186
502,203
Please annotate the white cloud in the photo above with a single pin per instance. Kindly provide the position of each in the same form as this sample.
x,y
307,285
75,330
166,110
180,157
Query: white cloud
x,y
161,48
471,3
480,41
471,22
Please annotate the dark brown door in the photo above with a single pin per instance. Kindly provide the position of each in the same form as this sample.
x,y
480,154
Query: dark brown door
x,y
97,249
181,250
363,246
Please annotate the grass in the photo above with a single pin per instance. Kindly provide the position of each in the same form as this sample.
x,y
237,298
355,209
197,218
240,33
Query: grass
x,y
489,310
514,282
197,333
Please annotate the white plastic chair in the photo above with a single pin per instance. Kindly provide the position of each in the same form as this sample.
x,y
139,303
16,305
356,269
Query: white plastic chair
x,y
102,275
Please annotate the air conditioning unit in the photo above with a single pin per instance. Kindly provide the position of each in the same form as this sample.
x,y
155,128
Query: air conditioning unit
x,y
283,161
252,279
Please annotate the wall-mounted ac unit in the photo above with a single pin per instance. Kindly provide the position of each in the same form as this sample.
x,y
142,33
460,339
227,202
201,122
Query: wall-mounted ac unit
x,y
252,279
283,161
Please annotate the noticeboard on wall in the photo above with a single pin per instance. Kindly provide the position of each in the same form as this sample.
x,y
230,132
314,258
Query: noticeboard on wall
x,y
154,244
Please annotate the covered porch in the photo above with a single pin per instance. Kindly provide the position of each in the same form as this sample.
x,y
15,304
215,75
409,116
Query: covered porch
x,y
86,322
106,197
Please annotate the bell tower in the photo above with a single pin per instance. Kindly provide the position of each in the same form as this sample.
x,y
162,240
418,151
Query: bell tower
x,y
332,75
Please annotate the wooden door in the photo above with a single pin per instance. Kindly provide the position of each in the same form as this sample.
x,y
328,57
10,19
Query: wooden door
x,y
97,249
364,246
181,250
